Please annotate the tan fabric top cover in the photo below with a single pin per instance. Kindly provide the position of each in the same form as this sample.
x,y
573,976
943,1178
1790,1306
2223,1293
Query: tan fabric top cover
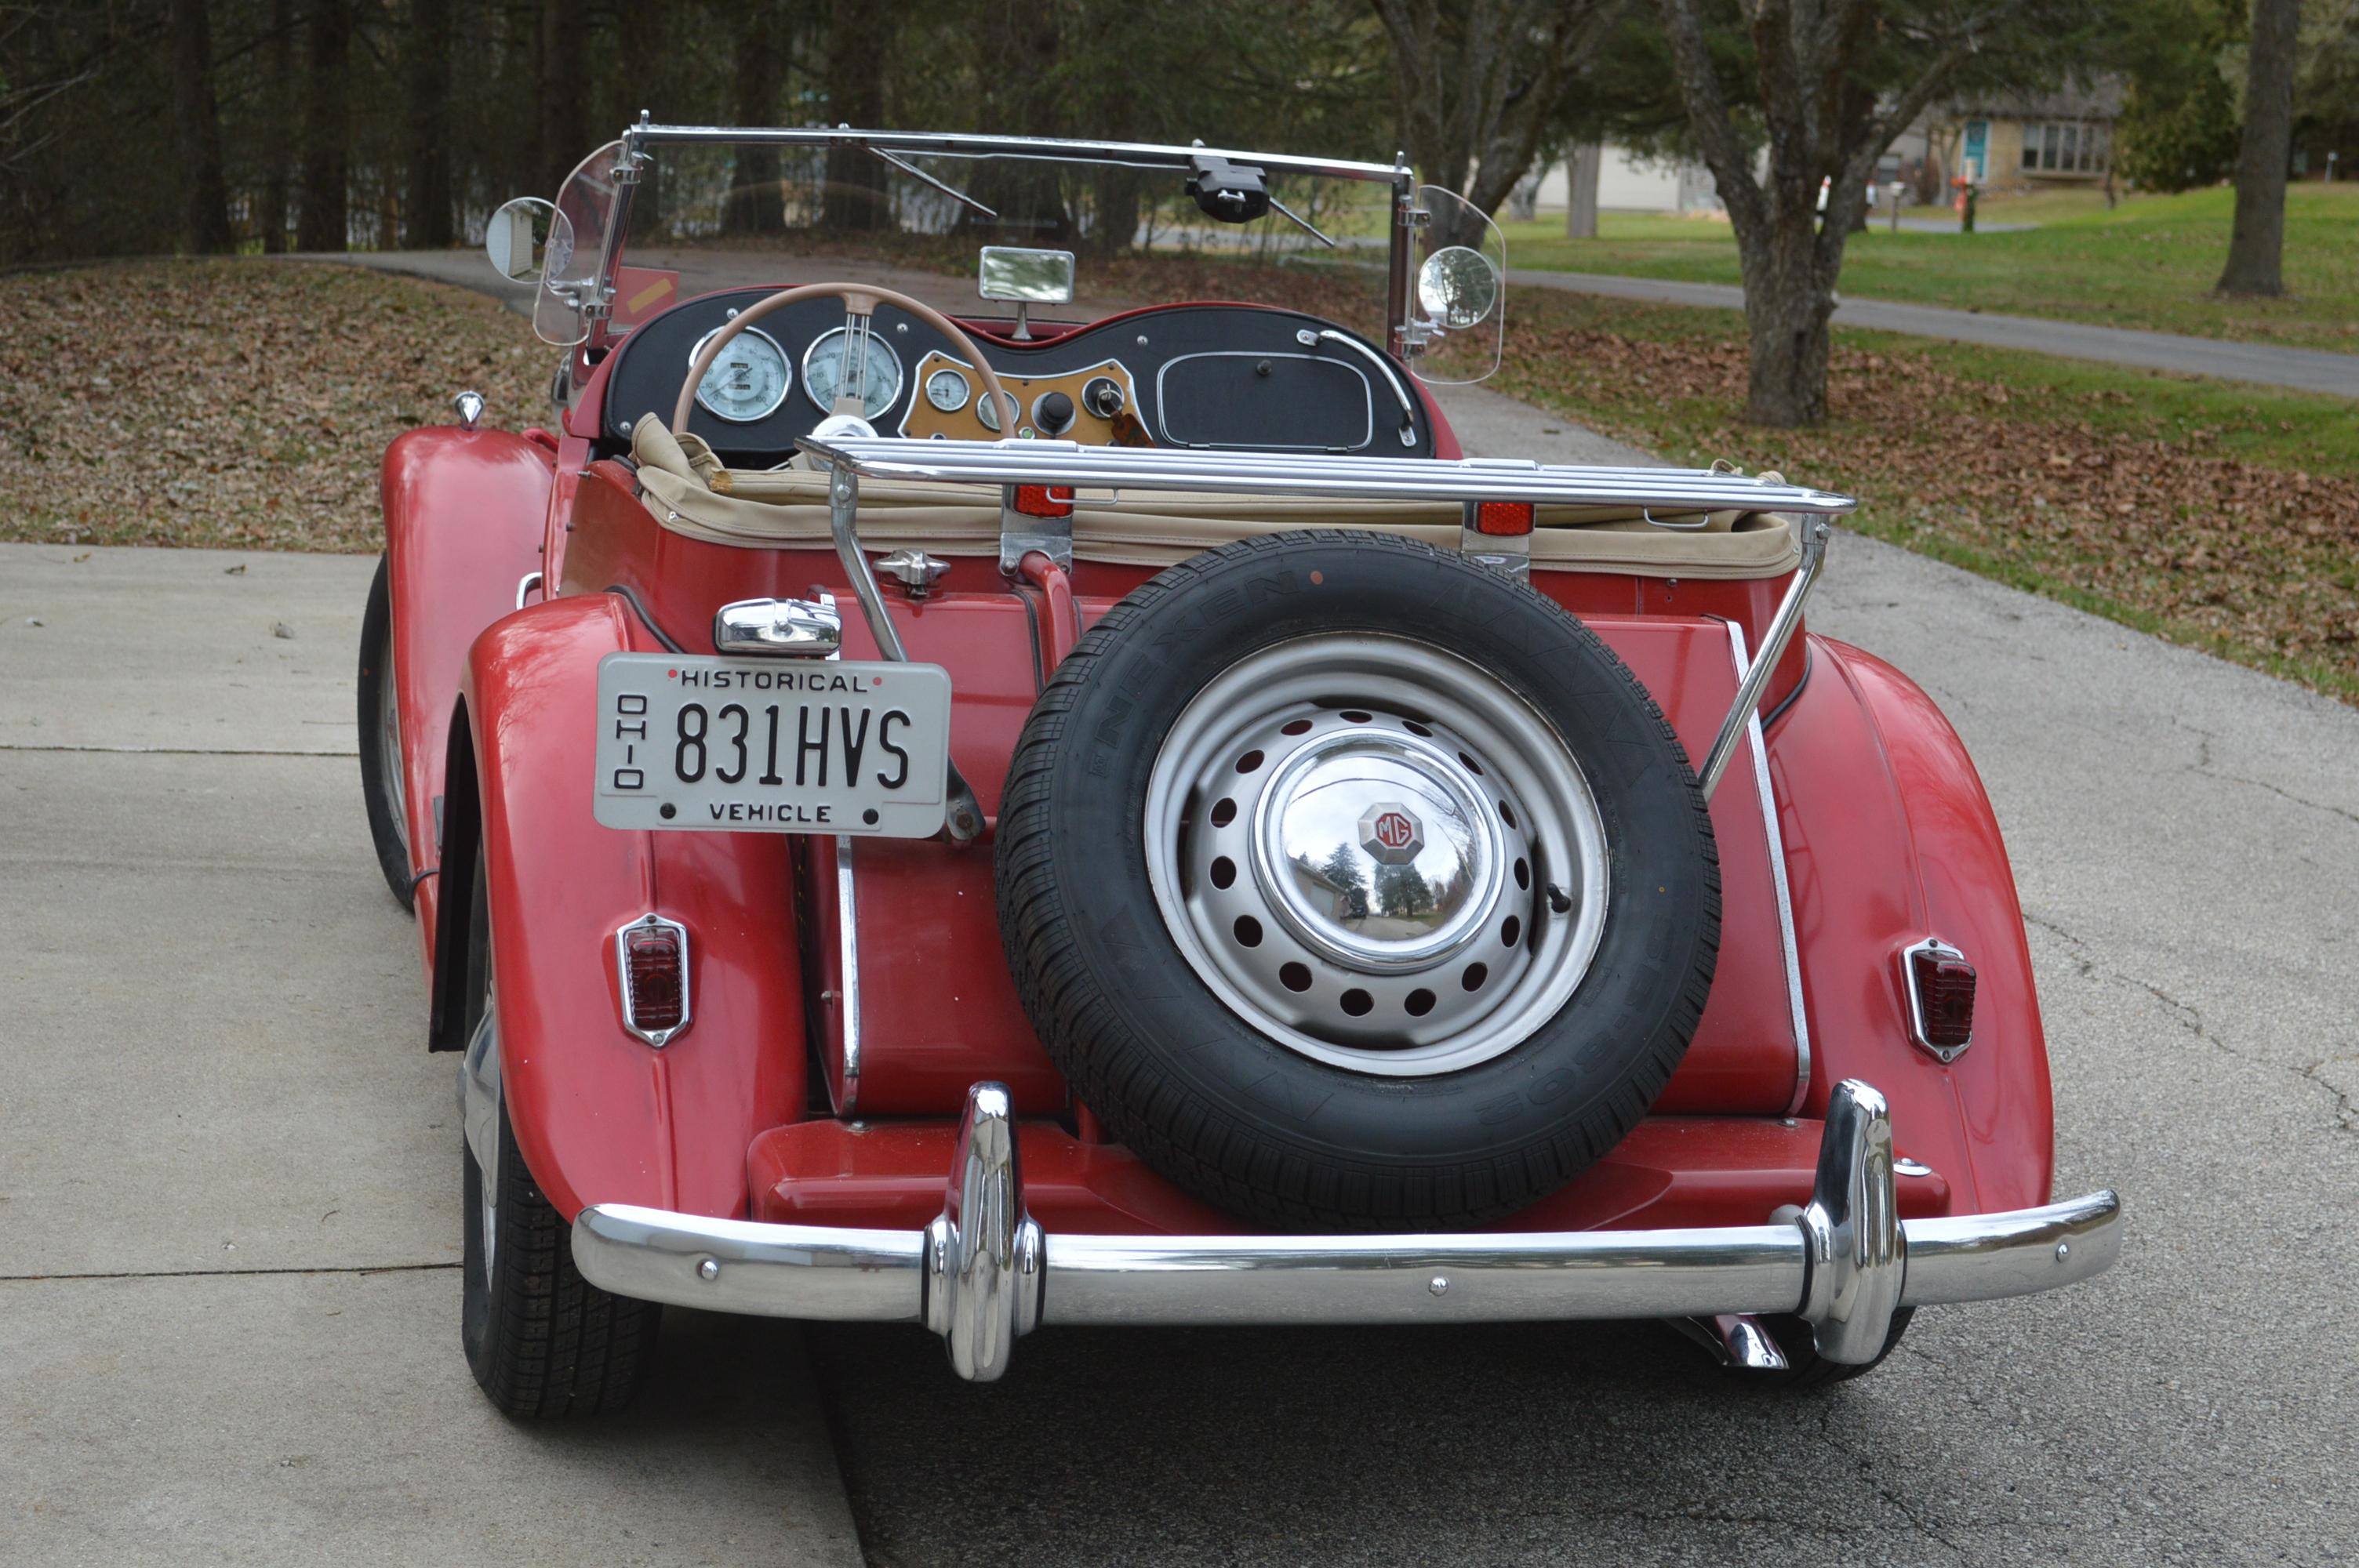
x,y
686,488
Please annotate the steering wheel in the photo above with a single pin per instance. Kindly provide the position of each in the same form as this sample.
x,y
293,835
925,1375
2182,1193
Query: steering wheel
x,y
860,302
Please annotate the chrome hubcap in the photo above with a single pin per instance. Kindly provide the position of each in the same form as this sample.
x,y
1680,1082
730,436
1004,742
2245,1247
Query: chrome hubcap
x,y
1376,854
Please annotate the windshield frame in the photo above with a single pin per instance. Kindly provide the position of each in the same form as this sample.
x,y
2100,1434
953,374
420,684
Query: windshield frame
x,y
596,311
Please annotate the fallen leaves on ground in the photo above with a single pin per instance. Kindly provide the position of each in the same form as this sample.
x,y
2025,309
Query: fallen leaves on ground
x,y
239,403
2215,546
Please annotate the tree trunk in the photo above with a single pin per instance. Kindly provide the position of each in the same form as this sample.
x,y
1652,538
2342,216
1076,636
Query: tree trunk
x,y
756,204
855,92
197,122
1785,315
426,215
564,92
1581,172
280,118
2256,247
327,130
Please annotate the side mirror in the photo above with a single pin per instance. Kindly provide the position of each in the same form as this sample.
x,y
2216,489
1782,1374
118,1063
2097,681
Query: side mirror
x,y
525,236
1457,288
1033,278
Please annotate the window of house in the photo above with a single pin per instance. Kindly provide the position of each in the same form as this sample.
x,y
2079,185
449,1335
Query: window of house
x,y
2066,146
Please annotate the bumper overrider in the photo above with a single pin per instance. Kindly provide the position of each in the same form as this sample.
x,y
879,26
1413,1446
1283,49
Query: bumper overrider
x,y
984,1273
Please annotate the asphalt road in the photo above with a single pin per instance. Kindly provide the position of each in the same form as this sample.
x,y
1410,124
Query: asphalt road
x,y
2306,370
228,1194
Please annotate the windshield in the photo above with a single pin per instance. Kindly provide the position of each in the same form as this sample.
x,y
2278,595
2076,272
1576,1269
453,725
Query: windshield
x,y
569,277
729,213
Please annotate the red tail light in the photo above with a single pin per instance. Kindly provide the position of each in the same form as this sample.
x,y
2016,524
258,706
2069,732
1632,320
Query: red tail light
x,y
1502,519
1045,499
1941,997
652,955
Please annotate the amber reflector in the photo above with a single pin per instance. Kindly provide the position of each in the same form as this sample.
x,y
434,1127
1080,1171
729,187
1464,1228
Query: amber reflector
x,y
654,961
1045,499
1945,999
1505,518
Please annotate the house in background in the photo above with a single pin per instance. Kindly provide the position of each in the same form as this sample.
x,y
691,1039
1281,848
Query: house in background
x,y
2032,142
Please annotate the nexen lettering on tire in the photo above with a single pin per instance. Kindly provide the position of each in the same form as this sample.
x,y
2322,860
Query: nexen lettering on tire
x,y
1250,1122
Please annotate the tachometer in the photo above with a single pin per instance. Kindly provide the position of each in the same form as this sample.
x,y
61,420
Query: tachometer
x,y
748,380
826,372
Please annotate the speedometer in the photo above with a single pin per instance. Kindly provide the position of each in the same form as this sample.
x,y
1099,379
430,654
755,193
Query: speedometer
x,y
874,378
748,380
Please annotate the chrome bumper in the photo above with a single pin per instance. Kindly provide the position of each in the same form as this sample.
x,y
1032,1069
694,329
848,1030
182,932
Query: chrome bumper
x,y
984,1274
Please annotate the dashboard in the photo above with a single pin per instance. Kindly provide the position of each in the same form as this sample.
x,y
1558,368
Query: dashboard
x,y
1235,377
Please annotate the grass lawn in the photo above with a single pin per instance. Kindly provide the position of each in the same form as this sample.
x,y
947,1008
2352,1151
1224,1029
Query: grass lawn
x,y
246,404
2149,263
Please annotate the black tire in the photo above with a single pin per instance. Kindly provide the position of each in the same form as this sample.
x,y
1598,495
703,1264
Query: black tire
x,y
1229,1114
1805,1367
543,1342
377,768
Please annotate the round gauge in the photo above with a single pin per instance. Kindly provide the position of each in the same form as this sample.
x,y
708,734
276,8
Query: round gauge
x,y
748,380
986,411
947,389
825,374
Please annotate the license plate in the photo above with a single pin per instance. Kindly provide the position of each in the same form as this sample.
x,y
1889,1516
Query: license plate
x,y
771,746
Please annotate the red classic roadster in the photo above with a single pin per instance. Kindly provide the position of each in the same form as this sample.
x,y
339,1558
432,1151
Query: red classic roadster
x,y
995,821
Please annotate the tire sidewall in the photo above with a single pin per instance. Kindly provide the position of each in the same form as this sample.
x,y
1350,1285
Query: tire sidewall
x,y
1604,1054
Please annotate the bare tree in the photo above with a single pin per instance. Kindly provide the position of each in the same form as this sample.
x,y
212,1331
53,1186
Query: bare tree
x,y
565,87
278,152
755,204
855,93
197,121
2256,244
426,206
327,130
1478,81
1823,129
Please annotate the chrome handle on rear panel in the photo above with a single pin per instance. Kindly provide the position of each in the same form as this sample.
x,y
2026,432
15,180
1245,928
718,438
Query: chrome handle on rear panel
x,y
780,628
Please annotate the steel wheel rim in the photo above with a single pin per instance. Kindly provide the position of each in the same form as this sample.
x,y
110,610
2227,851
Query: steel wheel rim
x,y
487,1164
388,733
1449,970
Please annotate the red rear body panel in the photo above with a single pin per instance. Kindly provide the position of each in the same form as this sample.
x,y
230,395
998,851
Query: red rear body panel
x,y
1872,815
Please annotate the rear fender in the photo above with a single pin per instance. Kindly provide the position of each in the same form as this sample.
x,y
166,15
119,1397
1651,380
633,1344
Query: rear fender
x,y
601,1116
464,513
1890,838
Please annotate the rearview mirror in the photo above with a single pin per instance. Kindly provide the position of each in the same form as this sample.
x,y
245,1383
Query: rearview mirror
x,y
1035,277
1457,288
520,237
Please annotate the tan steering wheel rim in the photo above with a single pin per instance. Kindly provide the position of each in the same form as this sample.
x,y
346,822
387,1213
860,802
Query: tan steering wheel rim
x,y
859,299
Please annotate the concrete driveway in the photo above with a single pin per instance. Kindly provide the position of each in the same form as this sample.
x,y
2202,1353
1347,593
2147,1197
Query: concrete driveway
x,y
228,1188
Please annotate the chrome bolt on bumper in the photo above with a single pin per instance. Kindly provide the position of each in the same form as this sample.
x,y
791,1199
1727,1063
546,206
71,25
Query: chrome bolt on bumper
x,y
984,1273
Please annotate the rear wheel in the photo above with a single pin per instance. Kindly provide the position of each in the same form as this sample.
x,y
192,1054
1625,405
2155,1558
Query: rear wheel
x,y
541,1340
380,739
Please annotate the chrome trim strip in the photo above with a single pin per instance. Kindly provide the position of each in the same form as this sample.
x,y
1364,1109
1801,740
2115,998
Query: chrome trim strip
x,y
1794,1005
959,144
1453,480
983,1273
651,921
847,966
1814,535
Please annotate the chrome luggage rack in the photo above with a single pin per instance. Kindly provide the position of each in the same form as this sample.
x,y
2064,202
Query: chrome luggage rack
x,y
1033,517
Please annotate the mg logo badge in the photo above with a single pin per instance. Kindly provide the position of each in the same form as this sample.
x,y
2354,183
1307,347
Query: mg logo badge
x,y
1391,834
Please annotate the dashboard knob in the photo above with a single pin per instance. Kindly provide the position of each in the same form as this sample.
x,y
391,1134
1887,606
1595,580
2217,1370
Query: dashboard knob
x,y
1053,414
1103,396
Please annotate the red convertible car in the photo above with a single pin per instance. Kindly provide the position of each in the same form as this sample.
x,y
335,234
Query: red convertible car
x,y
994,821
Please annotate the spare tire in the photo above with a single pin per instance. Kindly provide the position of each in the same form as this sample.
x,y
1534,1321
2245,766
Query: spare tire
x,y
1355,886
